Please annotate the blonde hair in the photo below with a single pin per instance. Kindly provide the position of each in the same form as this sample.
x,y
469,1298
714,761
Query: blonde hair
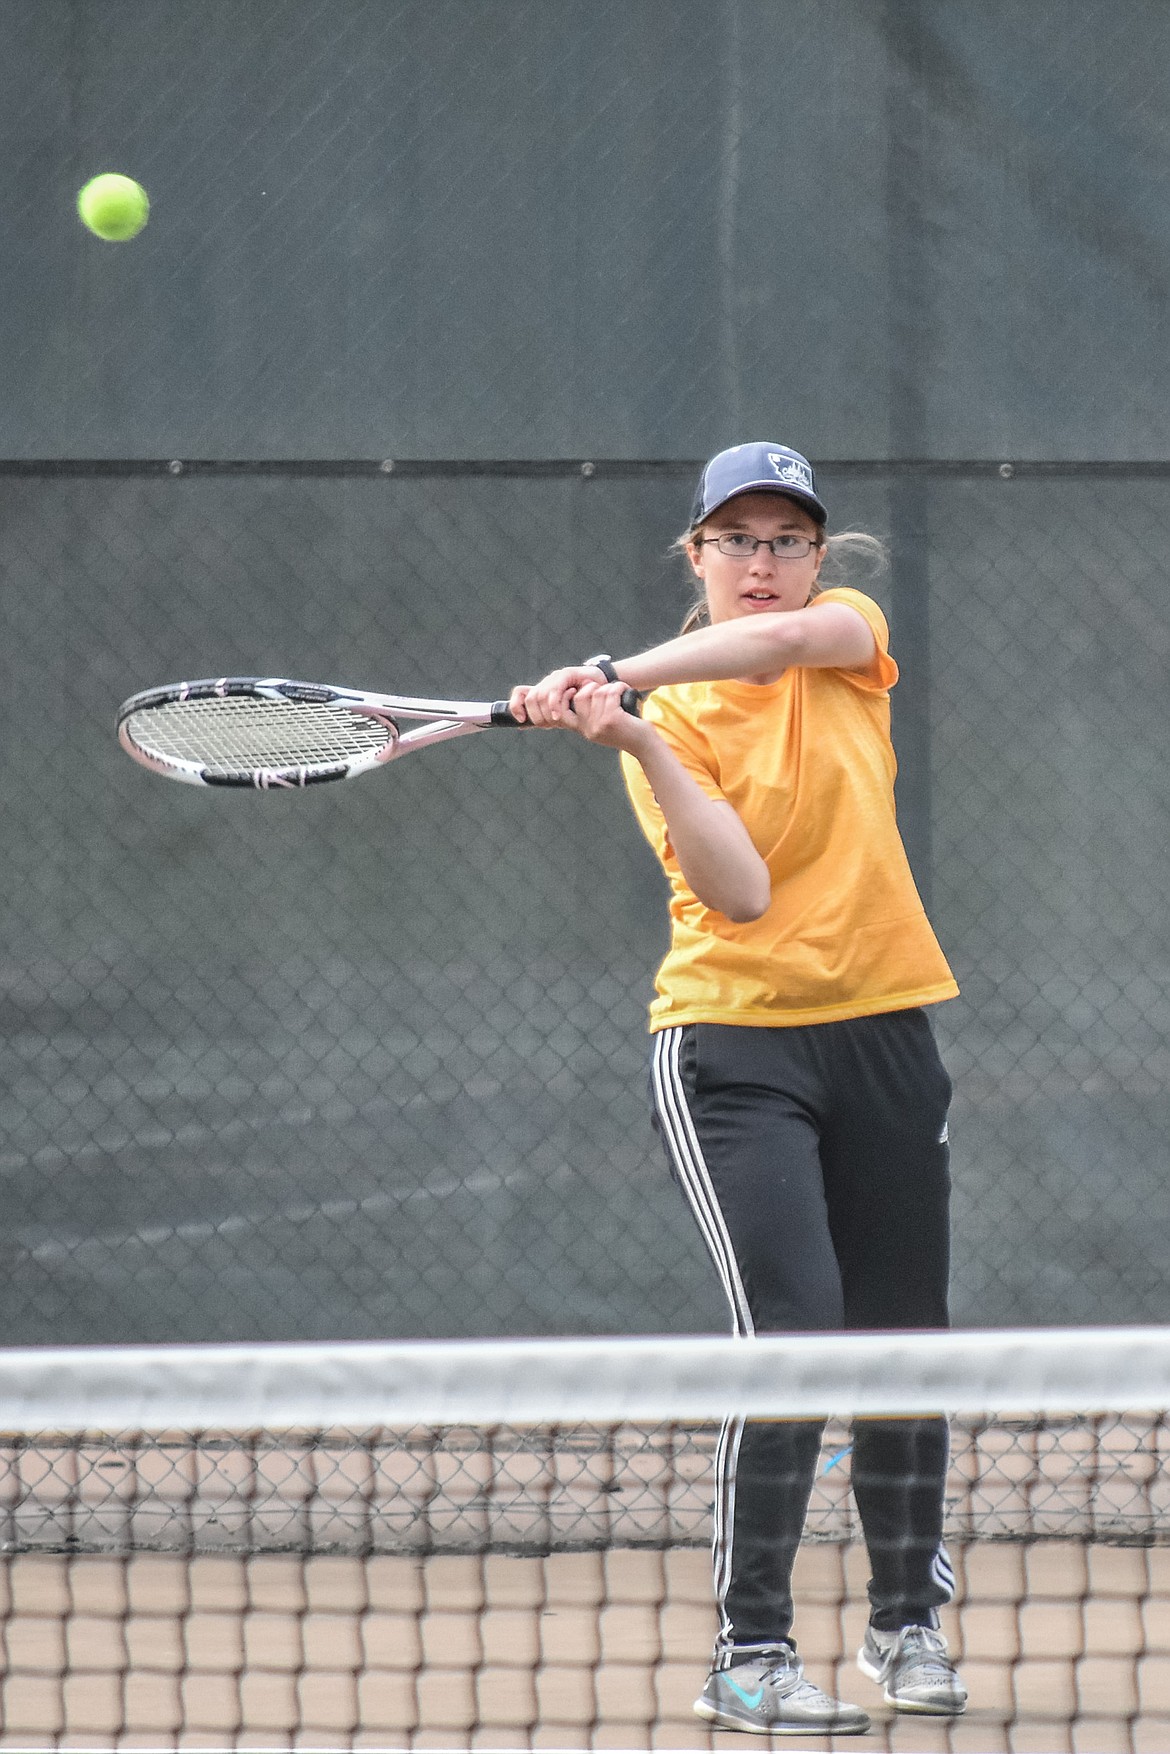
x,y
853,557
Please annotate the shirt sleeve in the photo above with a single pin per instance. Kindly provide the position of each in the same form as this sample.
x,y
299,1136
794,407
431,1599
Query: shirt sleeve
x,y
880,676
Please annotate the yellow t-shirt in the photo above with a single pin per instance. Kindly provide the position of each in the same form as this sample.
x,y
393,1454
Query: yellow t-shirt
x,y
807,764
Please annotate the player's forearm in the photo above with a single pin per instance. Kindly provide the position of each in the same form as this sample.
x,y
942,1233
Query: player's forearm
x,y
761,644
743,647
713,848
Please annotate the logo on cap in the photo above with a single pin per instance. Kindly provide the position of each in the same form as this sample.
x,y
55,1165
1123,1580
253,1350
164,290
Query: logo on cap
x,y
792,470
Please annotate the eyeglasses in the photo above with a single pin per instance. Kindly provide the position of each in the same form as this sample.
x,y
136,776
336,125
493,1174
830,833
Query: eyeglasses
x,y
737,546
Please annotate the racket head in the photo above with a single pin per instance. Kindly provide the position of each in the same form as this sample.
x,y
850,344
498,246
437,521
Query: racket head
x,y
258,733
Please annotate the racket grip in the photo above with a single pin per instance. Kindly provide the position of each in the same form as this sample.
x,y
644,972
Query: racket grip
x,y
631,703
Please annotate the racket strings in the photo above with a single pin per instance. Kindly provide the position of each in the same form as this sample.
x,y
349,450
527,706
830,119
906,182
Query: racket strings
x,y
244,733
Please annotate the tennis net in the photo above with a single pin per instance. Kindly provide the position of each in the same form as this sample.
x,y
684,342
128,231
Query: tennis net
x,y
502,1544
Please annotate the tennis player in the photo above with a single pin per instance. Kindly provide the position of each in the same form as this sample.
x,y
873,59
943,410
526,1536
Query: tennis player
x,y
796,1082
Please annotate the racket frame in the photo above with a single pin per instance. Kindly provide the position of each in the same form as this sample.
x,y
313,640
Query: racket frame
x,y
443,720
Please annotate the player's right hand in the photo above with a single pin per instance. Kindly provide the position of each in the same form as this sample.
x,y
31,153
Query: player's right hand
x,y
599,717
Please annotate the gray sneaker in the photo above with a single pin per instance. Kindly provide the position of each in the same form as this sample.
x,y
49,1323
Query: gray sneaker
x,y
769,1695
916,1669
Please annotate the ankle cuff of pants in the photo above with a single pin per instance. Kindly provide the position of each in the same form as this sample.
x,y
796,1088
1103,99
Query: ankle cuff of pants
x,y
748,1653
891,1621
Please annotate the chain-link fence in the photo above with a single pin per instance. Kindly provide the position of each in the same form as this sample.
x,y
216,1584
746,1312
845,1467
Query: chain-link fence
x,y
370,1060
637,228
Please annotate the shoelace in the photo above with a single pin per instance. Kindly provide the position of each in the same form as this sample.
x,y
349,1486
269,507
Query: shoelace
x,y
927,1652
789,1672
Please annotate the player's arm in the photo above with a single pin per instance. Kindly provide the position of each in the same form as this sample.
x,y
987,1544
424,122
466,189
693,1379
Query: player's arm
x,y
831,636
713,848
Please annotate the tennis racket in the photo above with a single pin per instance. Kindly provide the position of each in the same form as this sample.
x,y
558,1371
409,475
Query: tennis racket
x,y
267,732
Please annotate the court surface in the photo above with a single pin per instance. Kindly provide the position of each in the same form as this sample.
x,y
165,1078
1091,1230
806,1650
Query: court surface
x,y
573,1650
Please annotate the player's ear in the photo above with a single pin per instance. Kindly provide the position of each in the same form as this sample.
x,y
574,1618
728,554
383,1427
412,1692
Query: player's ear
x,y
695,555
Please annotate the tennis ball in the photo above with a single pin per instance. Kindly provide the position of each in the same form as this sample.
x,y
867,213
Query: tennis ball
x,y
113,207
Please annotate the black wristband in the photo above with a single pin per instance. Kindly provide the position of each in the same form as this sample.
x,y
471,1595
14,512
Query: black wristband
x,y
604,663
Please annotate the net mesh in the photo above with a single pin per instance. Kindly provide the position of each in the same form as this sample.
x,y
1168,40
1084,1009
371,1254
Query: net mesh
x,y
446,1578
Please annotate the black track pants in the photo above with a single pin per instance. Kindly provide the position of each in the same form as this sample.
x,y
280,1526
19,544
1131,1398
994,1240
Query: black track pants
x,y
815,1161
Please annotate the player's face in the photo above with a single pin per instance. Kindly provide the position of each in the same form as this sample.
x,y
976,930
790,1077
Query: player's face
x,y
763,582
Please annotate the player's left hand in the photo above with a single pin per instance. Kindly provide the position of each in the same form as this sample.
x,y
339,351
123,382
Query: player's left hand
x,y
547,703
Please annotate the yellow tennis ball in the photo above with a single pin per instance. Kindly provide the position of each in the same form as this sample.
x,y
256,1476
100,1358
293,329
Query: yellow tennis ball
x,y
114,207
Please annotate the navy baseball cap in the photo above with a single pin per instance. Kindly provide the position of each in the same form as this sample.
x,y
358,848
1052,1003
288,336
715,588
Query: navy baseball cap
x,y
758,468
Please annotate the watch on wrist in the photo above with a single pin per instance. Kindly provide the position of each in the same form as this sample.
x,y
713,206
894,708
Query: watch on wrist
x,y
603,662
